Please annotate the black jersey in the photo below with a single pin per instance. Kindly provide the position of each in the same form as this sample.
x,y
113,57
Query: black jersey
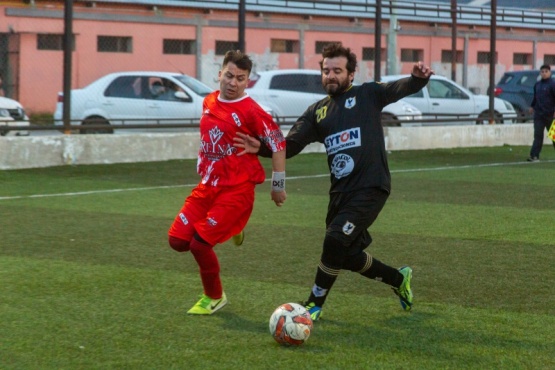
x,y
349,126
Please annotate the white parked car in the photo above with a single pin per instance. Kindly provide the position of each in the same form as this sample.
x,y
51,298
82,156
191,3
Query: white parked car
x,y
288,92
12,114
135,98
443,98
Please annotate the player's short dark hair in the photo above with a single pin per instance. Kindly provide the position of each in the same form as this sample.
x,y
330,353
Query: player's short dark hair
x,y
241,60
546,66
338,50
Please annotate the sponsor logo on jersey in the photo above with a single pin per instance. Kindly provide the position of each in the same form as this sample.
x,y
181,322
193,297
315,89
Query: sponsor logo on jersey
x,y
214,151
350,102
183,218
348,228
210,221
236,119
342,140
342,165
321,113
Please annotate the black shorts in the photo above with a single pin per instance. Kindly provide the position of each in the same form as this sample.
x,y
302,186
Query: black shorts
x,y
351,214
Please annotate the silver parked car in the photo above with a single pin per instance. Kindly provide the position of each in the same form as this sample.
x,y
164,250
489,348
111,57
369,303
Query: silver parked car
x,y
12,114
445,99
132,98
288,92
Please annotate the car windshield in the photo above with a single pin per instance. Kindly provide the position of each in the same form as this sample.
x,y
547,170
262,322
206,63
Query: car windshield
x,y
506,79
195,85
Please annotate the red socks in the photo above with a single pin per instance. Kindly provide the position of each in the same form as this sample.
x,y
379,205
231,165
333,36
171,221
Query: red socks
x,y
209,267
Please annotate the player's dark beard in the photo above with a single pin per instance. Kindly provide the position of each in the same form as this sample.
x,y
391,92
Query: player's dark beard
x,y
337,88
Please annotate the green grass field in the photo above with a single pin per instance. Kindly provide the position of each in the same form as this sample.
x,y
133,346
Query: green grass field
x,y
87,280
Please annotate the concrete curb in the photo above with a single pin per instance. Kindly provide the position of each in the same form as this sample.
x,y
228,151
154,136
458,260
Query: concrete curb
x,y
46,151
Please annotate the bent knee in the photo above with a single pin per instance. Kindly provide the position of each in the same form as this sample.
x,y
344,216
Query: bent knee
x,y
177,244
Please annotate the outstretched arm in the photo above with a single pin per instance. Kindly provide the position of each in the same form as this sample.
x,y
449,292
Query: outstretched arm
x,y
421,71
246,142
251,145
419,77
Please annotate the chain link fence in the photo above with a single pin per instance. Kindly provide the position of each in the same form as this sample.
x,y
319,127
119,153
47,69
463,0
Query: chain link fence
x,y
31,61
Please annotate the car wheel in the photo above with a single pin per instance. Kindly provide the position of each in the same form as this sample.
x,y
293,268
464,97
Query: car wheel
x,y
483,118
389,120
520,114
96,121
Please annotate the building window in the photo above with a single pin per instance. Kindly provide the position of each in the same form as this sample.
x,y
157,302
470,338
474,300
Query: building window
x,y
522,59
446,56
549,59
174,46
484,57
370,54
320,45
114,44
223,47
284,46
411,55
47,41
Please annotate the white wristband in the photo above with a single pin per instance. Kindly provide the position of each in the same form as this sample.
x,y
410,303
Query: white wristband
x,y
278,181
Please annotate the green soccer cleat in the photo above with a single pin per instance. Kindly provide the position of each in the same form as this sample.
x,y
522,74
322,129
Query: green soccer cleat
x,y
404,292
314,311
207,305
239,238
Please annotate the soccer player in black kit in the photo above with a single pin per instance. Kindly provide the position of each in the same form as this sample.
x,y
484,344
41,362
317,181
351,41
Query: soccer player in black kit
x,y
348,122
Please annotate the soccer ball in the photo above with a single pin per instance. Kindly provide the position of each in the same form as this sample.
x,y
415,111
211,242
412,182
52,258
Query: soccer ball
x,y
290,324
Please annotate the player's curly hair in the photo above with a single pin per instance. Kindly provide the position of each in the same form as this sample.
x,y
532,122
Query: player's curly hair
x,y
338,50
242,61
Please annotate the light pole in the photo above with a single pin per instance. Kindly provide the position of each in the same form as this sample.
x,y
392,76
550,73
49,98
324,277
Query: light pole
x,y
242,15
68,48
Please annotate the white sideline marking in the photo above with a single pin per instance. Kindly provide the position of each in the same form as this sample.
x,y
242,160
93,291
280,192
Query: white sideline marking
x,y
445,168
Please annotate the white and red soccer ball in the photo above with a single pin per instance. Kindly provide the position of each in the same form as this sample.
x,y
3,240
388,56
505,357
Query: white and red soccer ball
x,y
290,324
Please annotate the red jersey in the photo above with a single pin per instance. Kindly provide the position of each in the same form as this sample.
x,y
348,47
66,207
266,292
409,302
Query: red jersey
x,y
218,163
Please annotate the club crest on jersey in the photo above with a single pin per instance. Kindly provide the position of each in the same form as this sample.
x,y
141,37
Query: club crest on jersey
x,y
210,221
350,102
215,135
348,228
236,119
342,165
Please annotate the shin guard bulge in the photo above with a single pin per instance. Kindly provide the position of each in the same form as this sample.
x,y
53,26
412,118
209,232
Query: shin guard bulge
x,y
328,270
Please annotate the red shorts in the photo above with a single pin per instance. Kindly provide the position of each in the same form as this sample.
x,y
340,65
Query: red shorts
x,y
215,213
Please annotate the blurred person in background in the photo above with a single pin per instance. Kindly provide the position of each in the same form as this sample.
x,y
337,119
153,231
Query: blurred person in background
x,y
543,107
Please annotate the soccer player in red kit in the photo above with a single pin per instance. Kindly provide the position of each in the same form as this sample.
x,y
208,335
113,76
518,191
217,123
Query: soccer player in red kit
x,y
219,207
